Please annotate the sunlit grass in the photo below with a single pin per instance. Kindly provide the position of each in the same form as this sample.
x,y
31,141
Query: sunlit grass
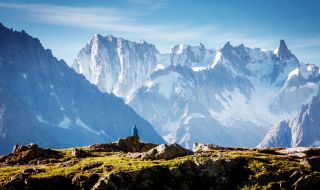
x,y
266,168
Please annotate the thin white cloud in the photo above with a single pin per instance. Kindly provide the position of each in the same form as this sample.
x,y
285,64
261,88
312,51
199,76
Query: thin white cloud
x,y
121,21
106,19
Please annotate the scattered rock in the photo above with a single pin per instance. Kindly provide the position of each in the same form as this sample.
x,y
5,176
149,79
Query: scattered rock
x,y
199,147
91,165
20,148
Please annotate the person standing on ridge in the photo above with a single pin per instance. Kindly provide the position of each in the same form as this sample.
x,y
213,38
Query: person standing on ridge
x,y
134,131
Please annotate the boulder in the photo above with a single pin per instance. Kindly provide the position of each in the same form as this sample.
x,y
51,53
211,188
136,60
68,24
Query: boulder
x,y
20,148
199,147
165,151
129,144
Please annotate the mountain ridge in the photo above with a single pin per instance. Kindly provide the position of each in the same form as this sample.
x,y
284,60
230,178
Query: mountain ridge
x,y
237,88
302,130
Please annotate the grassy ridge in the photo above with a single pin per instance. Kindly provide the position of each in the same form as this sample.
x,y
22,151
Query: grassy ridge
x,y
266,168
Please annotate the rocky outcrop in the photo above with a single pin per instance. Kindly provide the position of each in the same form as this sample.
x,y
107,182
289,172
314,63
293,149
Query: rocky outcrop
x,y
129,144
29,154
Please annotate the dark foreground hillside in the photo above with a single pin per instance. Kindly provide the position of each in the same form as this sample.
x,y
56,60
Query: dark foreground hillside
x,y
128,164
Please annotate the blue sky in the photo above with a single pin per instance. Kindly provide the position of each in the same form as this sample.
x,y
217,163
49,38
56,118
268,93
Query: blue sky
x,y
65,26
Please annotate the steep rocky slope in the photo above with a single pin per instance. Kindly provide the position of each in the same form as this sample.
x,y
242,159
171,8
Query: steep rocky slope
x,y
303,130
46,102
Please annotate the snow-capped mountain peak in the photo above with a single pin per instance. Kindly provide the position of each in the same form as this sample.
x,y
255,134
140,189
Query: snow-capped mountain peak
x,y
194,93
116,65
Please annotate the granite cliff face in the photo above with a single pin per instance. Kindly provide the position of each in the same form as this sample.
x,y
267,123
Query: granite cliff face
x,y
46,102
116,65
